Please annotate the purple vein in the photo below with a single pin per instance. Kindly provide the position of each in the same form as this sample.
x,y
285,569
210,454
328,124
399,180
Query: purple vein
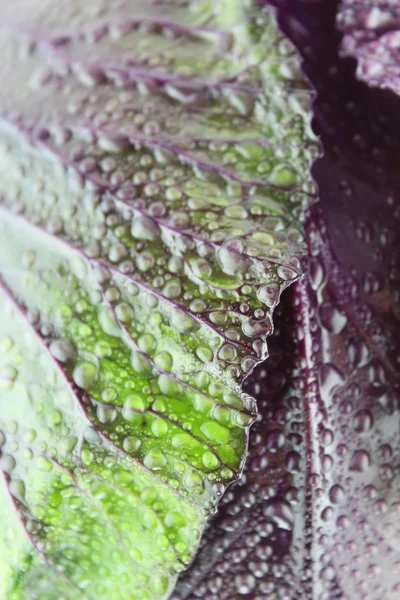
x,y
161,296
141,285
32,540
173,376
54,47
99,507
167,419
73,35
124,491
185,156
191,235
73,388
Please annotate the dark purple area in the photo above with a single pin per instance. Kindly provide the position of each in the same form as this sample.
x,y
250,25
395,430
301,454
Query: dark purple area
x,y
371,35
316,514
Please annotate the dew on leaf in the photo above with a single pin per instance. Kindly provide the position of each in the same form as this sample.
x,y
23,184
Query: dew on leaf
x,y
8,375
131,444
106,168
85,374
215,432
154,460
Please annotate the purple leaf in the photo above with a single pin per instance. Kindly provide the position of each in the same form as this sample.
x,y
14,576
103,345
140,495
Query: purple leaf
x,y
372,36
316,515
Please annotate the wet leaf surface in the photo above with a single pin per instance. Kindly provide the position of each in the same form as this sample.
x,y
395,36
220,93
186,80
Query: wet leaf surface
x,y
155,164
372,37
316,514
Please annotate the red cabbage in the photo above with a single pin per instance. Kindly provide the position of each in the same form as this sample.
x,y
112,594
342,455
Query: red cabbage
x,y
316,513
372,35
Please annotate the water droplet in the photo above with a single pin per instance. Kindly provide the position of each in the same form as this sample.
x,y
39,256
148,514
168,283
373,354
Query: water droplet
x,y
143,228
363,421
281,513
133,403
336,494
174,520
275,440
245,583
268,294
8,375
147,343
131,444
330,378
159,428
215,432
228,352
85,374
164,360
331,318
155,460
124,312
62,350
210,461
7,462
360,461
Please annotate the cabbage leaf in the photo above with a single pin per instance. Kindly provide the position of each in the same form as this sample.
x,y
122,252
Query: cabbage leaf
x,y
155,162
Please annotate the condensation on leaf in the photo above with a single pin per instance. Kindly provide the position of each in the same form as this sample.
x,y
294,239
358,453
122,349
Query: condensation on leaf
x,y
316,514
371,34
154,168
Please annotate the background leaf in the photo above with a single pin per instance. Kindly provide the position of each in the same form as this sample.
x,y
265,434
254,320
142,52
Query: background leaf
x,y
316,514
155,165
372,37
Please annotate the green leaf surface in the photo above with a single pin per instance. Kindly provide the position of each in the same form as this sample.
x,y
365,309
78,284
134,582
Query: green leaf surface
x,y
154,166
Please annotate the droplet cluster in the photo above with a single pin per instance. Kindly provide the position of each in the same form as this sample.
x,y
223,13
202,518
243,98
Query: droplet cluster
x,y
154,169
372,36
329,392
